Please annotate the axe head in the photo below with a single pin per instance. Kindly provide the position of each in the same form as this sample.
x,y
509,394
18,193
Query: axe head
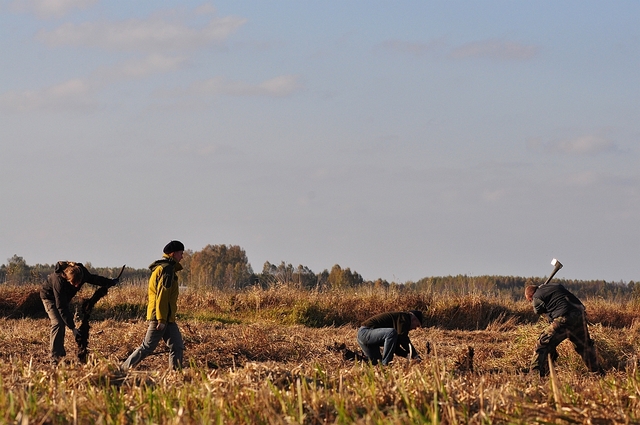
x,y
556,264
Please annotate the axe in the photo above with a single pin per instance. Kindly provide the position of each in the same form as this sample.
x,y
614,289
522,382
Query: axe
x,y
557,265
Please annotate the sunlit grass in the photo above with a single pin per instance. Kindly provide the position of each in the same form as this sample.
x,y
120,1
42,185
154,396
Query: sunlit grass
x,y
268,357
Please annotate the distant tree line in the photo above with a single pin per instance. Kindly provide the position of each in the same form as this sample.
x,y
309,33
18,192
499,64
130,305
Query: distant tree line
x,y
227,267
303,278
18,272
513,286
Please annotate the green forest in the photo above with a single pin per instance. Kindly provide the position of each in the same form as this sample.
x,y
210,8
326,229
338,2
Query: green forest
x,y
226,267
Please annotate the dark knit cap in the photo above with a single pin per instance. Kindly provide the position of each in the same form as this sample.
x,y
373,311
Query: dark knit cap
x,y
418,314
173,246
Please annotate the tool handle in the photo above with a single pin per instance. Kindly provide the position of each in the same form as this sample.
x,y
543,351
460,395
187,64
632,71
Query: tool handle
x,y
555,270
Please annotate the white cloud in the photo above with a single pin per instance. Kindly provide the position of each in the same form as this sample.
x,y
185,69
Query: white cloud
x,y
283,85
495,49
80,93
583,145
153,34
205,9
72,94
50,8
416,48
140,68
605,180
587,144
492,49
585,178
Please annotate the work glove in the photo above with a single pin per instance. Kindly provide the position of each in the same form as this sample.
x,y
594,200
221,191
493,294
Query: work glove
x,y
160,326
77,334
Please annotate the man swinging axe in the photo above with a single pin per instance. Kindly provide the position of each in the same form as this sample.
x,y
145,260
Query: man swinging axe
x,y
568,320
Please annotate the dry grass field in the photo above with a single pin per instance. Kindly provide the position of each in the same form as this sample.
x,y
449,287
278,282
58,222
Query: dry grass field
x,y
278,357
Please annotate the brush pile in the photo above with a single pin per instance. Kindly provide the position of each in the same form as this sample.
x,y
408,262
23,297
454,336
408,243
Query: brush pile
x,y
21,301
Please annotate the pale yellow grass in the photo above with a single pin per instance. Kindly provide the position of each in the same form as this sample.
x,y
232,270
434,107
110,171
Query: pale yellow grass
x,y
250,362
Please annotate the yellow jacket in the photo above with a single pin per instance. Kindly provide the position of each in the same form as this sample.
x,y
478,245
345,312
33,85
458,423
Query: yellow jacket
x,y
163,290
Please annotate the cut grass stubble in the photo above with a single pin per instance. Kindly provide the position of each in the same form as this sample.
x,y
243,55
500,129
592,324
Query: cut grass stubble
x,y
256,357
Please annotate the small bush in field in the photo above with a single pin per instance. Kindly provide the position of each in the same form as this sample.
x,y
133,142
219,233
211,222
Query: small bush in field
x,y
309,314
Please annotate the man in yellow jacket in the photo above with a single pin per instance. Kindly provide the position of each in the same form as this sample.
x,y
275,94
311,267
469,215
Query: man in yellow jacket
x,y
161,309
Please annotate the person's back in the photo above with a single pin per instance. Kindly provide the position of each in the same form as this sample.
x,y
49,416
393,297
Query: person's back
x,y
555,300
400,321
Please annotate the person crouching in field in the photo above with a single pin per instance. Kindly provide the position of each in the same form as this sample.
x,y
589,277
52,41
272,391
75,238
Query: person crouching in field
x,y
161,309
390,331
56,294
568,320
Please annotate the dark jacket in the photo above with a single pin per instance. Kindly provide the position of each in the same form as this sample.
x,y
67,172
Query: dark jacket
x,y
163,290
556,301
57,289
401,322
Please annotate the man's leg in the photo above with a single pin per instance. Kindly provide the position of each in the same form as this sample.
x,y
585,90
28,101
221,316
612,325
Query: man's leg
x,y
390,341
583,344
547,343
370,343
56,347
173,338
149,344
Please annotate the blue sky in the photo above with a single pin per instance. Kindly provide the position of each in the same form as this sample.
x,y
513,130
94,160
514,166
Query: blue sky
x,y
400,139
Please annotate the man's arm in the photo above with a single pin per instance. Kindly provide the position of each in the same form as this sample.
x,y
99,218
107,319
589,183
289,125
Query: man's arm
x,y
402,324
402,347
62,304
539,306
97,280
163,293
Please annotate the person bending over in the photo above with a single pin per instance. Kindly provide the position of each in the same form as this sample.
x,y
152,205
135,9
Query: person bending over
x,y
568,320
56,294
391,332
